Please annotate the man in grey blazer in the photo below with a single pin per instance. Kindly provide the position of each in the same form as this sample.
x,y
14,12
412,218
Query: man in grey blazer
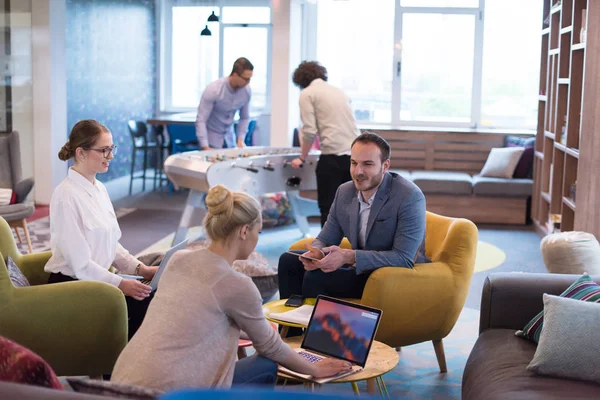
x,y
382,215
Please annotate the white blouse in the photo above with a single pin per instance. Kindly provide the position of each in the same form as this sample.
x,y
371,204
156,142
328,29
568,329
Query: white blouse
x,y
84,232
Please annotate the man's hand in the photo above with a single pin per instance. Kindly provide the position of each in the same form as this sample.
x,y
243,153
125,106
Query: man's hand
x,y
335,258
147,272
206,148
297,163
240,143
313,252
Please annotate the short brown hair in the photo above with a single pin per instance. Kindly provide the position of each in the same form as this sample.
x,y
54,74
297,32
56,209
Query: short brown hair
x,y
307,72
84,134
368,137
240,65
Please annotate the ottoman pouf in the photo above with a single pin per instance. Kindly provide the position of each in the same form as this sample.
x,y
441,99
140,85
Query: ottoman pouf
x,y
571,253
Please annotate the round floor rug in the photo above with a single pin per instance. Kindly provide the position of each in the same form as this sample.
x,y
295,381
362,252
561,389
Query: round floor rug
x,y
488,257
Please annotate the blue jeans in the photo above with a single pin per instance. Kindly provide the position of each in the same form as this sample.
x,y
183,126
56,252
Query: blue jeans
x,y
255,370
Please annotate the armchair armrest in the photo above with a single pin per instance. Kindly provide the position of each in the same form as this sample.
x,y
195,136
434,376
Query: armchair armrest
x,y
79,328
32,266
511,300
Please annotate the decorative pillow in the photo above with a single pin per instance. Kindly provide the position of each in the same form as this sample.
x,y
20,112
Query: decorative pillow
x,y
7,196
112,389
569,344
16,276
584,289
501,162
21,365
524,168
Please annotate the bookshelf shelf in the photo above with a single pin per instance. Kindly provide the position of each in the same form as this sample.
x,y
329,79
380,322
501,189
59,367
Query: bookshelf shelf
x,y
569,203
566,155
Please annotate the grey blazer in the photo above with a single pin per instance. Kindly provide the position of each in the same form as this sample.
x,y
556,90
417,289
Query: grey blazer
x,y
395,229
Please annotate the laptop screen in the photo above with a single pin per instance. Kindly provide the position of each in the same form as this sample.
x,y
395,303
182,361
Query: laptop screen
x,y
342,329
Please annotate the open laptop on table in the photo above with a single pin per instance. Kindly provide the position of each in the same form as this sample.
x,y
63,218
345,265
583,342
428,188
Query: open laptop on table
x,y
338,329
161,268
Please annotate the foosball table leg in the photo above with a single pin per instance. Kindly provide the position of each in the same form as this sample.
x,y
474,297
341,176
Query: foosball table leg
x,y
195,201
300,209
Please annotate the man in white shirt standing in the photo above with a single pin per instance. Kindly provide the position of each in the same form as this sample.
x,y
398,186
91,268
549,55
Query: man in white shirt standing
x,y
325,112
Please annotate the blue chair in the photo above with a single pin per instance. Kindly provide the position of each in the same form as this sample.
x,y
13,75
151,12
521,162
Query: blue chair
x,y
249,138
250,393
183,138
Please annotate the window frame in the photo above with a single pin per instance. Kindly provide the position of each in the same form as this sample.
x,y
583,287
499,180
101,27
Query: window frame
x,y
309,51
164,18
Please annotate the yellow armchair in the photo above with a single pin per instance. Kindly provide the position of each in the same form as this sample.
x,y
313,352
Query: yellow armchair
x,y
423,303
79,328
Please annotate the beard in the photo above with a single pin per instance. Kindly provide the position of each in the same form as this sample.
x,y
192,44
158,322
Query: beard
x,y
371,183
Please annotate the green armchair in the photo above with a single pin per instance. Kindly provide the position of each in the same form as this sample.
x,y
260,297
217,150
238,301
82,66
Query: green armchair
x,y
79,328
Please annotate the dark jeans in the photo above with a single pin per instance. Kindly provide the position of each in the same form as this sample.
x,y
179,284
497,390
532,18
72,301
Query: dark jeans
x,y
136,309
255,370
331,171
294,279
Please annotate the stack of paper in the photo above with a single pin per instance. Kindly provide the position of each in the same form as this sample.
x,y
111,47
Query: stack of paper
x,y
300,315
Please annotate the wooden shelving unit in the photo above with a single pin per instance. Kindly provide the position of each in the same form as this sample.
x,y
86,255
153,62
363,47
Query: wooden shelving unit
x,y
565,103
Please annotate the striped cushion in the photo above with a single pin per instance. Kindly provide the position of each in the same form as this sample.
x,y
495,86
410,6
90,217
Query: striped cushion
x,y
584,289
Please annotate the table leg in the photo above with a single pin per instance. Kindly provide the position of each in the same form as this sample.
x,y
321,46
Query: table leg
x,y
379,386
355,389
284,331
385,390
195,201
371,385
241,353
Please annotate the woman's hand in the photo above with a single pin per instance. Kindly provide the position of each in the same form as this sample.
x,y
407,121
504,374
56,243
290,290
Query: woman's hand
x,y
147,272
135,289
330,367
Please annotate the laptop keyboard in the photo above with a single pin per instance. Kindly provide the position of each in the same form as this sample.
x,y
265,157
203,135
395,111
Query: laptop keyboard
x,y
310,357
146,281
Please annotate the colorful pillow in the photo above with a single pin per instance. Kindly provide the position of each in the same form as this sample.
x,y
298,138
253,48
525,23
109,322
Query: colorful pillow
x,y
584,289
21,365
112,389
276,210
16,276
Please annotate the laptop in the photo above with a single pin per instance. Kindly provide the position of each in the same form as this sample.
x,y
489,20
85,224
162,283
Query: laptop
x,y
161,268
338,329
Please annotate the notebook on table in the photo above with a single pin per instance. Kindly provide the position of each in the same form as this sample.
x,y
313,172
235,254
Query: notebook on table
x,y
338,329
153,283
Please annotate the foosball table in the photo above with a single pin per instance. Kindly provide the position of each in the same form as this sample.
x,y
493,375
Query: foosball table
x,y
254,170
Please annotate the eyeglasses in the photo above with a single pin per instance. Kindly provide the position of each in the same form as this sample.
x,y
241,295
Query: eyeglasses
x,y
107,151
244,78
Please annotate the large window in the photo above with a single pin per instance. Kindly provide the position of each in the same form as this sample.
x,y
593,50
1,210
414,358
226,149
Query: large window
x,y
461,63
190,61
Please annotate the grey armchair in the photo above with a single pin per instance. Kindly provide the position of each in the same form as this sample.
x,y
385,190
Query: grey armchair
x,y
10,178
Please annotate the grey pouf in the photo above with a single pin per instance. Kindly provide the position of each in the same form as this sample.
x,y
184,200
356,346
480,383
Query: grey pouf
x,y
571,253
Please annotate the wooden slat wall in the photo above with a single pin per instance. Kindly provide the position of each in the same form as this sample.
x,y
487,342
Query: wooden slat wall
x,y
442,151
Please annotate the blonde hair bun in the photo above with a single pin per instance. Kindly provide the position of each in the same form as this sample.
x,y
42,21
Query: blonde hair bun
x,y
219,201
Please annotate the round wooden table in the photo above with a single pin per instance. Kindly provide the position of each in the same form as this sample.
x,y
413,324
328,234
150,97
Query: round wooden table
x,y
278,306
382,359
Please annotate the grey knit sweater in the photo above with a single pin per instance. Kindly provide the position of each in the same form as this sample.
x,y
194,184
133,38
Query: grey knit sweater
x,y
189,335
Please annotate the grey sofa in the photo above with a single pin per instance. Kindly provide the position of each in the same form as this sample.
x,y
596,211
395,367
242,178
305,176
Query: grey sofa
x,y
496,367
479,199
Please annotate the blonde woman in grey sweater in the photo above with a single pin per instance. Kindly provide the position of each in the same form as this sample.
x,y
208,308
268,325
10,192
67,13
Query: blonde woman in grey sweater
x,y
190,334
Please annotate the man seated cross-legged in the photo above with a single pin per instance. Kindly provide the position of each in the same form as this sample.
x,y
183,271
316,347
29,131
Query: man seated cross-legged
x,y
379,212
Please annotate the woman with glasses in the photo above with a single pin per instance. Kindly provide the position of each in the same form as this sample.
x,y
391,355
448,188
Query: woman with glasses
x,y
83,226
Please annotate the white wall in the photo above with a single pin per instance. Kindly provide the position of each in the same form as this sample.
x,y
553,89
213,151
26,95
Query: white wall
x,y
49,95
286,51
22,115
